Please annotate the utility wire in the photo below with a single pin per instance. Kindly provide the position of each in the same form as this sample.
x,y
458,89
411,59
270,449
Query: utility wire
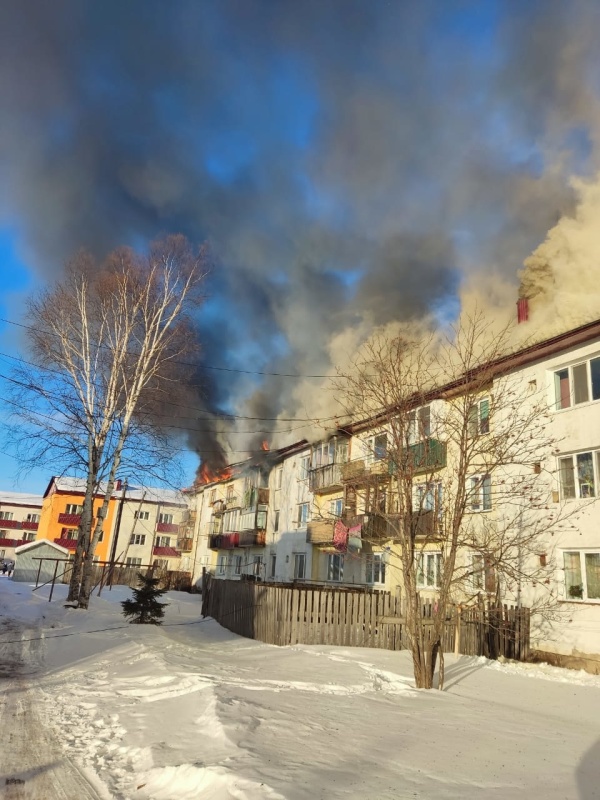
x,y
189,363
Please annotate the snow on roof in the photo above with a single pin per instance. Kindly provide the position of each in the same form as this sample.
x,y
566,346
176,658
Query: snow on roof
x,y
66,483
37,543
21,499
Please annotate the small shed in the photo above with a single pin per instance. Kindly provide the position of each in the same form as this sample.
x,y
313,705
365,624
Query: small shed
x,y
27,561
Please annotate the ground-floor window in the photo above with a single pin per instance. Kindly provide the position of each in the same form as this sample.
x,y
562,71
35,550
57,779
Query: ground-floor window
x,y
582,574
273,565
375,568
299,566
335,567
238,565
257,565
429,570
133,562
221,564
483,573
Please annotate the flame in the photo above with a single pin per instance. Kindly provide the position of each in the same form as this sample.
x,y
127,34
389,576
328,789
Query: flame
x,y
264,446
206,475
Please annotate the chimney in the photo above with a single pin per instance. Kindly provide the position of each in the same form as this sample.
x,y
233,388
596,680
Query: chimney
x,y
522,309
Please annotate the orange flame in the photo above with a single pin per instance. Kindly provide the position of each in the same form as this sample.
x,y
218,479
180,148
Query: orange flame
x,y
206,475
265,446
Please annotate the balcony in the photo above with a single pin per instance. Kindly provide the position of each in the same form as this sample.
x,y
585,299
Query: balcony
x,y
252,539
254,497
325,479
166,527
361,471
232,501
185,544
10,523
165,552
69,544
426,456
27,525
320,532
223,541
74,520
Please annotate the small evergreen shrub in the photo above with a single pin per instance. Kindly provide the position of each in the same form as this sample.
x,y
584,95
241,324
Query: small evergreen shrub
x,y
144,607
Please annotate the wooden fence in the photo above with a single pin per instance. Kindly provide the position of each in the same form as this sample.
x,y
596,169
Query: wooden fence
x,y
285,615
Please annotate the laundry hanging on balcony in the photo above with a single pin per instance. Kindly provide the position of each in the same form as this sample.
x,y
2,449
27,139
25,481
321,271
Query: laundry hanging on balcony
x,y
355,538
340,536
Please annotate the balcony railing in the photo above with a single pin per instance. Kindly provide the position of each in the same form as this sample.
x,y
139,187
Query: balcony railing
x,y
10,523
232,501
320,532
426,456
223,541
325,478
166,527
69,519
27,525
252,539
69,544
185,544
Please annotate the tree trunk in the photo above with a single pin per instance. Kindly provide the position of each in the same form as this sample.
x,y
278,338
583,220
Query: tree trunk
x,y
83,540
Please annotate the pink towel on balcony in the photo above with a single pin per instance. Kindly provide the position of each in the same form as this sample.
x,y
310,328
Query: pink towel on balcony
x,y
340,536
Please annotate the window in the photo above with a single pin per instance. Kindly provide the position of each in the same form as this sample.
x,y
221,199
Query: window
x,y
272,565
257,566
577,384
237,565
376,447
276,522
230,493
231,520
31,517
28,537
479,418
221,564
69,533
335,451
213,496
133,562
483,576
6,514
161,563
142,515
479,496
429,570
419,424
72,508
430,497
101,536
336,507
578,475
582,574
165,519
376,568
163,541
304,468
278,477
137,538
299,566
335,567
303,513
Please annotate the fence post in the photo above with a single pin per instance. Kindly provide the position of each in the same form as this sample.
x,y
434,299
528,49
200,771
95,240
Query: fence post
x,y
53,579
457,631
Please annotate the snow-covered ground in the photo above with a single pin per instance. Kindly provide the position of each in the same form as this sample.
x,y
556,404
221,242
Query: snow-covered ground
x,y
94,707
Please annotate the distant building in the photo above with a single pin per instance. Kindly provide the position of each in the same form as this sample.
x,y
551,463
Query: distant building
x,y
19,521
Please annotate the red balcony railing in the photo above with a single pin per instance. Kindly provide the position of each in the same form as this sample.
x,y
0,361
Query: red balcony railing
x,y
10,523
69,519
30,526
167,527
69,544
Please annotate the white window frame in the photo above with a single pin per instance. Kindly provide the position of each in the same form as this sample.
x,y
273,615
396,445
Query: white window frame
x,y
142,515
581,384
7,515
257,564
133,561
73,508
483,574
583,582
163,541
479,493
419,425
375,569
303,467
237,565
303,514
137,539
221,564
572,474
429,567
479,418
299,566
336,507
33,517
335,567
272,565
429,497
376,447
165,518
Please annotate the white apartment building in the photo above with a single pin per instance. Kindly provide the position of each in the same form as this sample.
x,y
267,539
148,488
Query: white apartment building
x,y
19,521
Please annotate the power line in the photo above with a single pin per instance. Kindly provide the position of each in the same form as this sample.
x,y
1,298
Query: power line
x,y
190,363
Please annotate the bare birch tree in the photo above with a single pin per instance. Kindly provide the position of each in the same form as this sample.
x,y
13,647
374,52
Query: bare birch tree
x,y
464,501
105,344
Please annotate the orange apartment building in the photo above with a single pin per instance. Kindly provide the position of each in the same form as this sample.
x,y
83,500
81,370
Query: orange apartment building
x,y
61,515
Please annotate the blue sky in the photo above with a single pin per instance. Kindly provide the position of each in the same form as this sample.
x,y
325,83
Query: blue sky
x,y
348,163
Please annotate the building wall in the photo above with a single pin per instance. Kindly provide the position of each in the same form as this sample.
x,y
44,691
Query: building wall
x,y
56,502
